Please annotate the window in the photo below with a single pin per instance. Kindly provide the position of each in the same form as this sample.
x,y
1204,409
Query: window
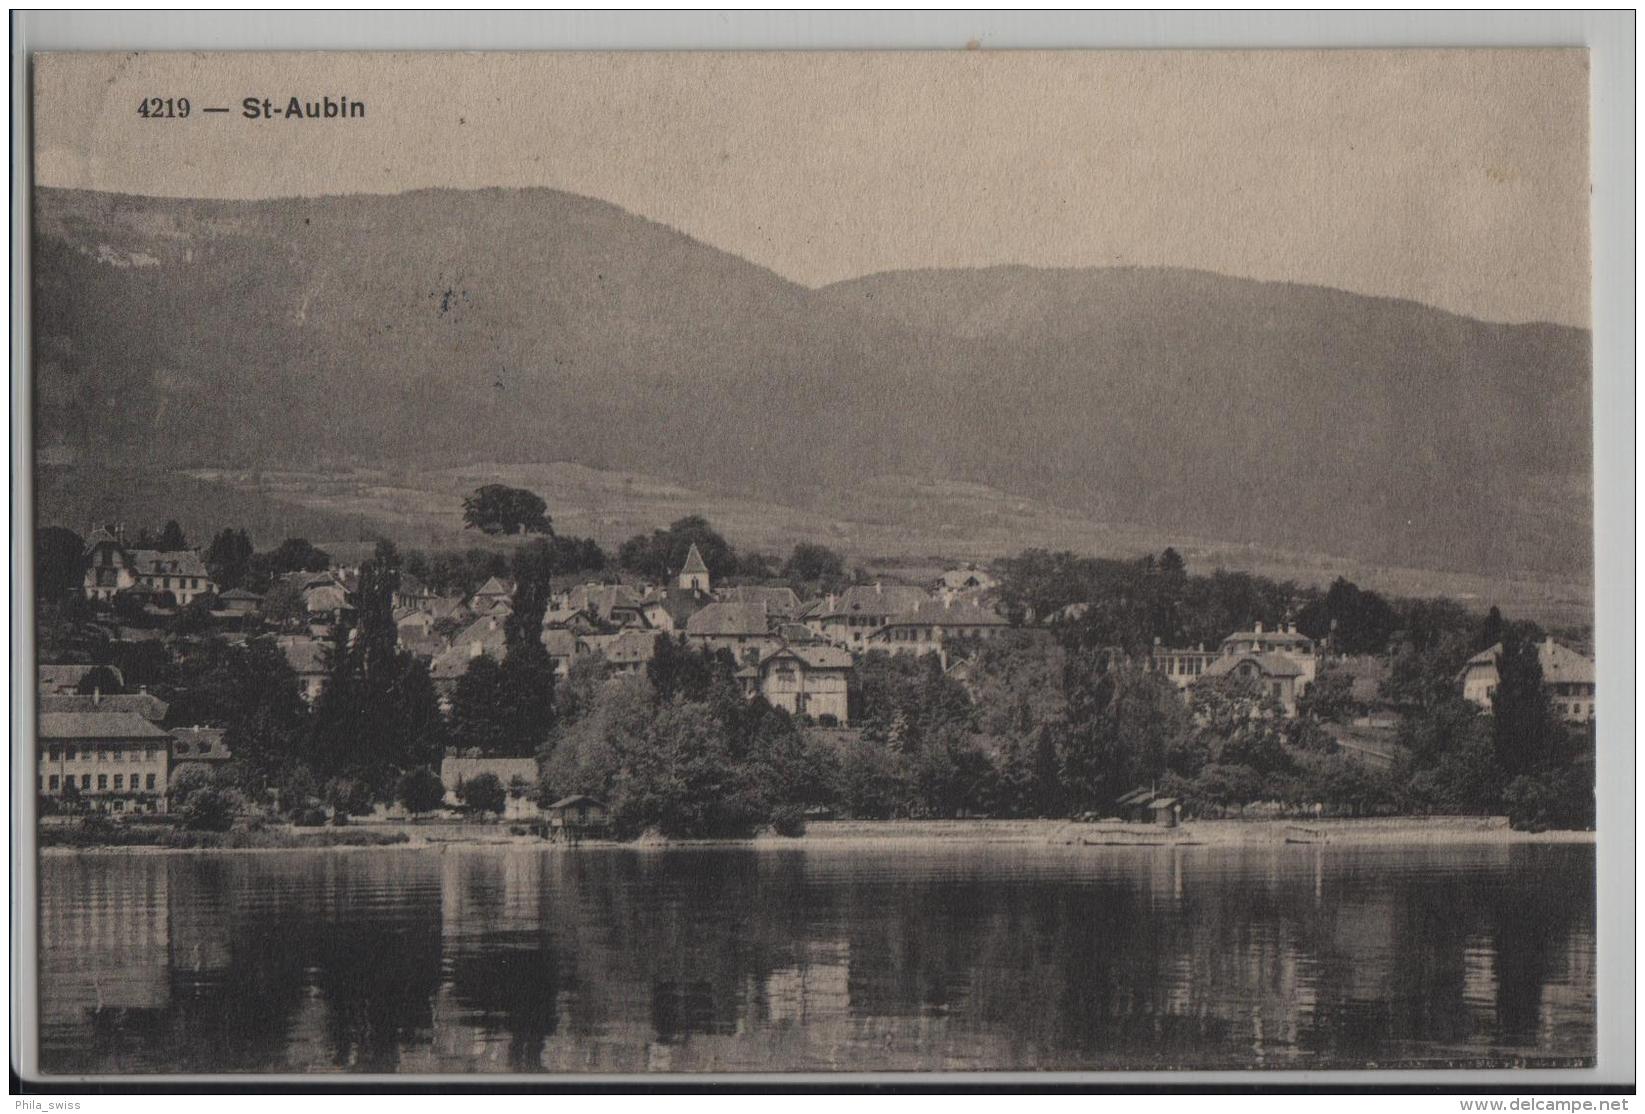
x,y
149,783
148,754
102,781
52,782
119,806
85,781
119,781
41,788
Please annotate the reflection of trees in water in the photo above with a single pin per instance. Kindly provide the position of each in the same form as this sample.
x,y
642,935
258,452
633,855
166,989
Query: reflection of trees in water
x,y
1167,958
513,985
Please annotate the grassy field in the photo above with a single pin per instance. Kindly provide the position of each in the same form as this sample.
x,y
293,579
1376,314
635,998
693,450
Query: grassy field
x,y
899,526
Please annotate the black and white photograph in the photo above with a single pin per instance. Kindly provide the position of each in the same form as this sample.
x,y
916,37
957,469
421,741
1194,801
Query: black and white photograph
x,y
664,564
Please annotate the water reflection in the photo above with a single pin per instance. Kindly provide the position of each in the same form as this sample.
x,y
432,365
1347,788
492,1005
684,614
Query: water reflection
x,y
699,960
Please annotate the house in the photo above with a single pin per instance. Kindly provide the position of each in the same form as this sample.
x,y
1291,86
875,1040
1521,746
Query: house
x,y
570,619
694,573
1567,677
413,593
486,595
808,680
564,647
198,744
670,608
627,651
116,761
1298,647
925,629
600,600
174,577
780,601
413,624
1280,675
574,817
67,678
483,636
967,578
518,777
150,707
1181,667
850,617
742,628
240,601
306,656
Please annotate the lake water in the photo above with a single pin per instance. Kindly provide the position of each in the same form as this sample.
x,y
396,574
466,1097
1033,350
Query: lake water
x,y
610,960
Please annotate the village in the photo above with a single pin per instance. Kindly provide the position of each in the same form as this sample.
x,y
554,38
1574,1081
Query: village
x,y
109,745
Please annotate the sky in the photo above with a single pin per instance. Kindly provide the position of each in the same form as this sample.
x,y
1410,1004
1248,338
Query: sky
x,y
1455,178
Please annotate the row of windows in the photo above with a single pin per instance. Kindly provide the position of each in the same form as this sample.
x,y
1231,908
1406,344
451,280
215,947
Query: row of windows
x,y
53,783
182,581
100,754
1573,688
1572,709
1179,667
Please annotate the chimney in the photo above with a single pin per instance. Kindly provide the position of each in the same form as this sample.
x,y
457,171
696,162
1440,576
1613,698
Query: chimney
x,y
1259,626
96,695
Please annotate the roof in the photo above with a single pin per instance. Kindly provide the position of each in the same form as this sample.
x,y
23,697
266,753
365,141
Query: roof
x,y
936,613
877,599
601,598
778,600
968,576
68,676
442,607
325,597
579,799
304,655
493,587
97,725
150,707
793,633
1560,664
680,603
729,619
1136,796
199,744
167,562
812,656
239,594
693,562
455,769
631,646
561,643
1271,637
1271,664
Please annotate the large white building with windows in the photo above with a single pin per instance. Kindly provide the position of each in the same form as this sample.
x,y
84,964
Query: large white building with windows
x,y
1567,677
116,761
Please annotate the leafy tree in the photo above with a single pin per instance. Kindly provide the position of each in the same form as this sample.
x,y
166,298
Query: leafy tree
x,y
420,790
59,563
478,716
500,509
1329,698
484,793
810,562
101,679
378,714
1528,737
297,555
211,809
171,537
661,554
228,558
679,669
1355,620
185,782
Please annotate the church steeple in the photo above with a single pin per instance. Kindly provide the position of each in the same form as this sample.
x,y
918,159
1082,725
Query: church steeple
x,y
695,572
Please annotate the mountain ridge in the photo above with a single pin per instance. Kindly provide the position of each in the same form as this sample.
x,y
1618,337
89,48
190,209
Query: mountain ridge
x,y
538,324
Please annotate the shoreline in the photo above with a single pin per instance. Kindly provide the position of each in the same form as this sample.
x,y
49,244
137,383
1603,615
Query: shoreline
x,y
882,835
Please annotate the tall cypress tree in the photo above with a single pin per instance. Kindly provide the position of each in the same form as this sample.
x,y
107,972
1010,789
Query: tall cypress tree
x,y
1524,722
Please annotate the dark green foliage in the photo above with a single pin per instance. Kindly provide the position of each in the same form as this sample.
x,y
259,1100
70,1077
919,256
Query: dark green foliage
x,y
1355,621
661,554
101,679
59,568
484,793
500,509
1329,699
420,790
811,562
210,809
508,708
171,537
229,559
1527,734
378,715
788,820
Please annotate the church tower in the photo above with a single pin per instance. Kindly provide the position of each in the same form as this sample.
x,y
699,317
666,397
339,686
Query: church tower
x,y
695,573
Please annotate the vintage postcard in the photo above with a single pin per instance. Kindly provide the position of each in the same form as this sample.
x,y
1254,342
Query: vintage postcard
x,y
817,562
